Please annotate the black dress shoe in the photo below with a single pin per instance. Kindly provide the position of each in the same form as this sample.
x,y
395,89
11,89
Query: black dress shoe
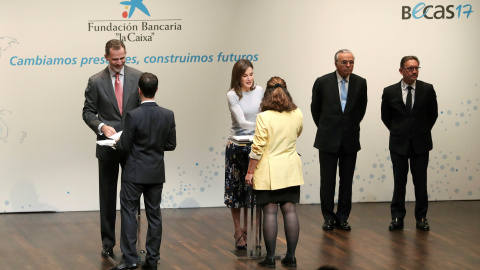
x,y
126,266
343,225
267,262
396,224
107,251
422,225
289,262
328,224
147,266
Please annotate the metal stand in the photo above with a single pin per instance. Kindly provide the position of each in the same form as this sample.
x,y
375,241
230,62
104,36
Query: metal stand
x,y
254,236
254,241
140,251
113,260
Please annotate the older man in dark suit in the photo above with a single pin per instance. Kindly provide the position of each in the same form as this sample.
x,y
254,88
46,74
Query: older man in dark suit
x,y
149,132
109,94
339,102
409,110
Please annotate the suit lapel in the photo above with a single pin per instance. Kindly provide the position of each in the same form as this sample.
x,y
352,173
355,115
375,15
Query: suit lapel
x,y
351,92
418,93
128,84
108,88
398,95
336,92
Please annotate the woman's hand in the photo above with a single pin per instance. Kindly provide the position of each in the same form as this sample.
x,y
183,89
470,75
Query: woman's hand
x,y
249,178
252,164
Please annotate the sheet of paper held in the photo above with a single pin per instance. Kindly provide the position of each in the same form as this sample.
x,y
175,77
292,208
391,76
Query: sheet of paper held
x,y
110,141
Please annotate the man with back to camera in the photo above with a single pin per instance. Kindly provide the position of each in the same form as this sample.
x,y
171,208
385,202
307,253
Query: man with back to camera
x,y
109,94
149,131
339,102
409,111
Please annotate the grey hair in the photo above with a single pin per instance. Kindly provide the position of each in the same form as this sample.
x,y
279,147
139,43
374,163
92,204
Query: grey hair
x,y
342,51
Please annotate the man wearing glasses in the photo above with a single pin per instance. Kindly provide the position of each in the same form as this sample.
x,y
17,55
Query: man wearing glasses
x,y
339,101
409,110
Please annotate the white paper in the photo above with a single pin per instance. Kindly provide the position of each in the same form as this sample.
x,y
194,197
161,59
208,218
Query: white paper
x,y
116,135
106,143
111,141
243,138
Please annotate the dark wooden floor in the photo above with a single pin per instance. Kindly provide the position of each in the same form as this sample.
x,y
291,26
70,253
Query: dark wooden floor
x,y
201,239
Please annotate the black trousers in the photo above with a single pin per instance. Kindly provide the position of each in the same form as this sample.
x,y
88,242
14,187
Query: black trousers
x,y
328,176
108,178
130,202
418,167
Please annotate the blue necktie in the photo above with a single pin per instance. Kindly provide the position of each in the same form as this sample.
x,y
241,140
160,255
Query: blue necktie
x,y
343,94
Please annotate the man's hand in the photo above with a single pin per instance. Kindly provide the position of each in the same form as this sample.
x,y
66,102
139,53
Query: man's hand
x,y
108,130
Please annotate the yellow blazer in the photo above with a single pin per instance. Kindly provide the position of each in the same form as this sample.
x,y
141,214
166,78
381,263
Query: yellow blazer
x,y
274,143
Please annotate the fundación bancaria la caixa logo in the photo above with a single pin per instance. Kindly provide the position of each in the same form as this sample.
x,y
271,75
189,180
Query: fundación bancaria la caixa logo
x,y
131,6
135,29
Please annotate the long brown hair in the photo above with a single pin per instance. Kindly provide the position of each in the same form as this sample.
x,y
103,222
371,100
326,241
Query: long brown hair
x,y
237,72
277,97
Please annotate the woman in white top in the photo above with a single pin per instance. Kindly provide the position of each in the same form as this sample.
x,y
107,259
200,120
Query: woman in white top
x,y
244,99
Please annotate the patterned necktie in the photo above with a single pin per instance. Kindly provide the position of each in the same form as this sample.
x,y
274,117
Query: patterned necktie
x,y
408,103
119,92
343,94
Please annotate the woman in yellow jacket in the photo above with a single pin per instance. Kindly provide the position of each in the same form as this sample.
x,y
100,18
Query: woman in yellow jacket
x,y
275,168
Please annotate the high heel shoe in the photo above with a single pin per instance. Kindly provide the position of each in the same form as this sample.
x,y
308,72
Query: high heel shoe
x,y
244,233
237,247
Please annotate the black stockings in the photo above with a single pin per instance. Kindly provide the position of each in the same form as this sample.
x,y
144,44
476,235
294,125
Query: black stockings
x,y
270,227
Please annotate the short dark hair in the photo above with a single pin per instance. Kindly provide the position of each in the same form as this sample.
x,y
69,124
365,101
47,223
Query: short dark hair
x,y
148,83
115,44
406,58
277,97
238,70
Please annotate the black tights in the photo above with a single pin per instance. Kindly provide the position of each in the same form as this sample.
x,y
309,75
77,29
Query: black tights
x,y
270,227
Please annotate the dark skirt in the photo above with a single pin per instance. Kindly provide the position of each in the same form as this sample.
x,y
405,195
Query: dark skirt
x,y
237,193
289,194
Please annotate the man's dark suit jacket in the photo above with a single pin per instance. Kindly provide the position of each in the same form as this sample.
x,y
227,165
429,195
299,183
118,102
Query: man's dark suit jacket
x,y
417,125
335,127
101,104
148,131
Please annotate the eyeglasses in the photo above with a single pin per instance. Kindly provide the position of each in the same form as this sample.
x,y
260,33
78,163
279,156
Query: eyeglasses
x,y
344,63
412,68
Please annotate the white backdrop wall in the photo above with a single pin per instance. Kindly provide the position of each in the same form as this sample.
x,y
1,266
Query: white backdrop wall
x,y
47,153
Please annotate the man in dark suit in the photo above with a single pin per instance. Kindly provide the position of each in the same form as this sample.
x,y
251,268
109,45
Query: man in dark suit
x,y
149,131
409,110
109,94
339,101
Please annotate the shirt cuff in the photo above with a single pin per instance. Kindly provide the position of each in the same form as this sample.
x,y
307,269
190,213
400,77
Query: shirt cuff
x,y
252,155
100,128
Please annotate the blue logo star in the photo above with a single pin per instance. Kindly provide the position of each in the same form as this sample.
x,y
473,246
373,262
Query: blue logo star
x,y
135,4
